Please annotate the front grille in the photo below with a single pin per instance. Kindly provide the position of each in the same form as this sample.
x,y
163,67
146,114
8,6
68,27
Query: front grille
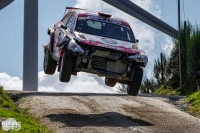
x,y
117,67
109,66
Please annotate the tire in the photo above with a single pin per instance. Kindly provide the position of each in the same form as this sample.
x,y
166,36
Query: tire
x,y
134,86
66,67
110,82
49,65
51,42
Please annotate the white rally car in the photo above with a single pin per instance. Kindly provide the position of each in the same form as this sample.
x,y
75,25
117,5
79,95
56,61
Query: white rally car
x,y
96,43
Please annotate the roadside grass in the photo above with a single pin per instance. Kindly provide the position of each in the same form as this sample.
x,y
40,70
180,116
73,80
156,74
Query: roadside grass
x,y
192,98
9,110
167,90
194,101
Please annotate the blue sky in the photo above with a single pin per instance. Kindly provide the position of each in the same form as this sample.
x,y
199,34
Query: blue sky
x,y
11,32
51,11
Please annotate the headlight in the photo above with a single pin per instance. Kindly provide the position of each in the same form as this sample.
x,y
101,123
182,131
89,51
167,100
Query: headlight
x,y
134,46
75,47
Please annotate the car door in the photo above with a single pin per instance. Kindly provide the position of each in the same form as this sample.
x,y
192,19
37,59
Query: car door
x,y
68,33
70,28
60,33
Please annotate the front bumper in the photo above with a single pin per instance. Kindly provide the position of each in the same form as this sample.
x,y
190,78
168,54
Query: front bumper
x,y
140,58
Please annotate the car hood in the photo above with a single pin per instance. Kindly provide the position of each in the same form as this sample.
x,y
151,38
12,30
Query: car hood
x,y
105,42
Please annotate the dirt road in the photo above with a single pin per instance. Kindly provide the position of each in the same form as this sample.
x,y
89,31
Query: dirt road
x,y
106,113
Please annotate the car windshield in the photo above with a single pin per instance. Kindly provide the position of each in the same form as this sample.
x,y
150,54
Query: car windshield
x,y
104,29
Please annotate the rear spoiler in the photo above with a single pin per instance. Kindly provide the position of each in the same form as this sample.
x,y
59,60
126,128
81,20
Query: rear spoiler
x,y
70,8
75,8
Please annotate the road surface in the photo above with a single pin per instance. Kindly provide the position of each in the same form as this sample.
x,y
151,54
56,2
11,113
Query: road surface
x,y
106,113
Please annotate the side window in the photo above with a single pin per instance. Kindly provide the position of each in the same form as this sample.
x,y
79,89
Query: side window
x,y
66,18
71,21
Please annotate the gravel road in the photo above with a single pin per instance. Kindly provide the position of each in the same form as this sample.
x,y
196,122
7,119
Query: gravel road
x,y
107,113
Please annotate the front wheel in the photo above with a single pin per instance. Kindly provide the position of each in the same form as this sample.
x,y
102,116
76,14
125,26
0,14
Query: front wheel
x,y
134,86
66,67
49,65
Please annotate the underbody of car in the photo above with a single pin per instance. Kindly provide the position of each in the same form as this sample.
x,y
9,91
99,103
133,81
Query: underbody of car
x,y
97,44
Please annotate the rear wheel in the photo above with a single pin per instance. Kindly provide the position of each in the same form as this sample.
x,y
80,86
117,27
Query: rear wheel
x,y
66,67
110,82
49,65
134,86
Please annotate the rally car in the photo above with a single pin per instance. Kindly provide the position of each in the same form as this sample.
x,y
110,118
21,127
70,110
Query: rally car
x,y
97,43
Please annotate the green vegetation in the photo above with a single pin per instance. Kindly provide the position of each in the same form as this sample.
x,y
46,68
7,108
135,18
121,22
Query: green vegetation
x,y
194,100
166,77
167,90
9,110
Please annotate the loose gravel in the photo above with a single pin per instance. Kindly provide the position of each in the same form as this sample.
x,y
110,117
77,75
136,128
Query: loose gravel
x,y
109,113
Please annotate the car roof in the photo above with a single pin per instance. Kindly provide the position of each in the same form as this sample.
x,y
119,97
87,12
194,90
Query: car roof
x,y
95,15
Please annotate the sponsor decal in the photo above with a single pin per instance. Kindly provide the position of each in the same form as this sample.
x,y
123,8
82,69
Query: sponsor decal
x,y
108,40
109,46
114,21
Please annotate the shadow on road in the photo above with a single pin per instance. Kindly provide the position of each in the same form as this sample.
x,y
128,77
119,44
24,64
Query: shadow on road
x,y
111,119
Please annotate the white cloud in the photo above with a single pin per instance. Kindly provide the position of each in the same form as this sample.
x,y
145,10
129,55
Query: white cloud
x,y
167,46
10,83
81,83
149,6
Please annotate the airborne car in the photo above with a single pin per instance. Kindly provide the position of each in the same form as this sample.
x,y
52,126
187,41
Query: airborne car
x,y
96,43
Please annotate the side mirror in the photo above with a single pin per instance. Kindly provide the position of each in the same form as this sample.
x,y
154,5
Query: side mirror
x,y
137,41
50,30
63,27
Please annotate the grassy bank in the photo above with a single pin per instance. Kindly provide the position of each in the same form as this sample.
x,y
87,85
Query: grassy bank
x,y
9,110
167,90
192,98
194,101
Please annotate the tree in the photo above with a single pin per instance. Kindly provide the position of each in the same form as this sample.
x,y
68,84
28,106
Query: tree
x,y
172,67
158,69
148,86
193,59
